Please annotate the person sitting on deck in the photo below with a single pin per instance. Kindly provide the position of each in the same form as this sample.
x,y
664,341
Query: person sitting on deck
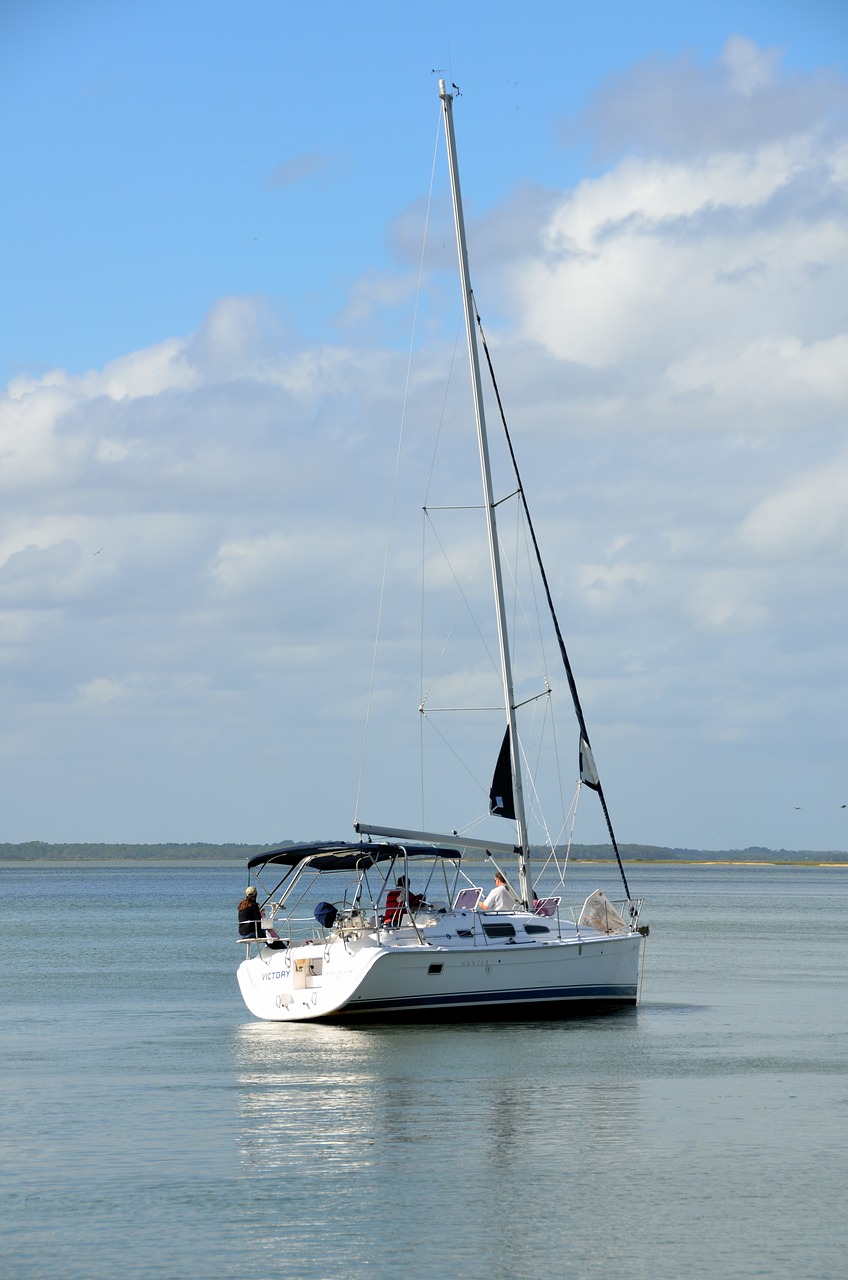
x,y
250,915
397,900
499,898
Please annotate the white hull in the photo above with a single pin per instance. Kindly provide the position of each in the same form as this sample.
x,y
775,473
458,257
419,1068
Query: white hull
x,y
372,976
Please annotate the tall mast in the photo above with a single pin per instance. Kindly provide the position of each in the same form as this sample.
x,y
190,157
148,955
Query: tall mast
x,y
488,498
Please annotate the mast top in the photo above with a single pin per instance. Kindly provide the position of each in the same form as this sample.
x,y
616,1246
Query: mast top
x,y
490,505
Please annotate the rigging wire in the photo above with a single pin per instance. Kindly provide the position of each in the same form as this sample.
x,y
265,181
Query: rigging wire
x,y
520,490
575,697
539,632
553,856
536,635
427,520
463,599
395,477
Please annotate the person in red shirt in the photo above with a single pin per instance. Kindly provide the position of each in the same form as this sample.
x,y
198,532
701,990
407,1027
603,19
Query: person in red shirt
x,y
398,900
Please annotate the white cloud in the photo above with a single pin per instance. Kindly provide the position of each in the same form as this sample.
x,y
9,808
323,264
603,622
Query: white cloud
x,y
231,341
102,690
676,106
377,293
295,169
142,373
808,518
750,69
773,382
660,261
191,538
722,600
28,414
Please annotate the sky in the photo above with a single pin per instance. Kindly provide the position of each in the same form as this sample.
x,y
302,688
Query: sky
x,y
211,238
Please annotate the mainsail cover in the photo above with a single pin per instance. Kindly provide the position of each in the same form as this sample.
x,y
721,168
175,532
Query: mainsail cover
x,y
501,798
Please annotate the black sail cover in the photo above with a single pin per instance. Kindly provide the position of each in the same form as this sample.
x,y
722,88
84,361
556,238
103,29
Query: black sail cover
x,y
501,799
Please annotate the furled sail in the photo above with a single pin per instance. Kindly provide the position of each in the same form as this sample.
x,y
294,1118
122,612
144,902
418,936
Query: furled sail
x,y
588,772
501,800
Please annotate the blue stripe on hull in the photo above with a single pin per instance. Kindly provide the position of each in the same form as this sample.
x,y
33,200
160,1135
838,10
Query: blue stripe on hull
x,y
512,1001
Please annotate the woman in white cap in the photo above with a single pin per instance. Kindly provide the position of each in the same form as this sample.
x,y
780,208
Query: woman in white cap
x,y
250,915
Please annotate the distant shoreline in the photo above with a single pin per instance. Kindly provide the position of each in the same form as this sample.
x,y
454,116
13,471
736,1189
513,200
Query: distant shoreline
x,y
200,852
238,854
237,865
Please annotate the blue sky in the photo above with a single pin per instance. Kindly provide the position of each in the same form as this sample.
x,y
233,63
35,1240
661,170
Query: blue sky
x,y
151,143
209,243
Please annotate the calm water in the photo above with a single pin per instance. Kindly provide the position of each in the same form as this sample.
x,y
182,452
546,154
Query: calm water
x,y
151,1128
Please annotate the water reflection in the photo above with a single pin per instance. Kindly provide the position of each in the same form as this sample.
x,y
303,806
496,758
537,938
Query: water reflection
x,y
710,1123
439,1126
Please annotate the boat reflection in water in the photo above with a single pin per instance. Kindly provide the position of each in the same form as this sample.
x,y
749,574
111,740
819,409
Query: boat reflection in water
x,y
334,1090
374,1139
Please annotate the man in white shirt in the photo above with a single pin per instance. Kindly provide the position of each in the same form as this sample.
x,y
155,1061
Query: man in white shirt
x,y
499,898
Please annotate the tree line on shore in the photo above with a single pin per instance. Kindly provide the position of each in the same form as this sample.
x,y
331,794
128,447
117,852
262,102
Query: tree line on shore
x,y
42,851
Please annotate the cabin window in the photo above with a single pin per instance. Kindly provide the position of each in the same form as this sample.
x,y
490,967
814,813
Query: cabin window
x,y
435,968
498,928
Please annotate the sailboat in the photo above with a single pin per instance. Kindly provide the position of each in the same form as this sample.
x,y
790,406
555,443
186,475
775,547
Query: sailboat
x,y
342,934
